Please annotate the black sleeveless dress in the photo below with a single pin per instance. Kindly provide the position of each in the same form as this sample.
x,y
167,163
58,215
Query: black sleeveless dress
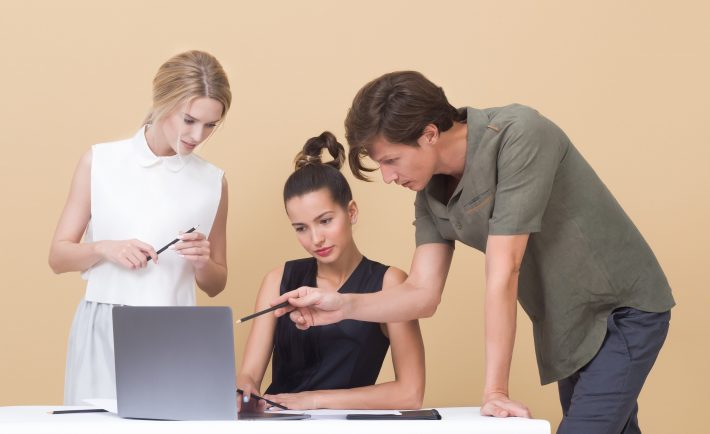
x,y
338,356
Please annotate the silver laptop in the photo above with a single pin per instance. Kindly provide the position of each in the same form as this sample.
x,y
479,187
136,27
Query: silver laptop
x,y
175,363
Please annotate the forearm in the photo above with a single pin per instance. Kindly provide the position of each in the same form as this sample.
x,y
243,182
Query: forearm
x,y
65,256
500,324
401,303
248,378
417,297
390,395
211,278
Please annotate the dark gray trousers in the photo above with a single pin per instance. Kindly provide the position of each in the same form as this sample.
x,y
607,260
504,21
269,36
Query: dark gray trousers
x,y
601,397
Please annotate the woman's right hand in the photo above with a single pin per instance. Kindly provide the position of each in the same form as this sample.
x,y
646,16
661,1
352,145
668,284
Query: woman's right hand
x,y
245,402
129,254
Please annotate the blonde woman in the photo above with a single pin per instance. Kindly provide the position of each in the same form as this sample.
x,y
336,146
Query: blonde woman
x,y
129,198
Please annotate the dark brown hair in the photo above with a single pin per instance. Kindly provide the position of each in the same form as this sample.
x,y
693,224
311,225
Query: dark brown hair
x,y
312,173
397,106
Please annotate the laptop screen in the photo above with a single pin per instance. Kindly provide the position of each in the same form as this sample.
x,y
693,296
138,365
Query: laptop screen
x,y
175,363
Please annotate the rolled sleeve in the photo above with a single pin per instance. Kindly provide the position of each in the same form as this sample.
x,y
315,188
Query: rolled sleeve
x,y
527,164
425,224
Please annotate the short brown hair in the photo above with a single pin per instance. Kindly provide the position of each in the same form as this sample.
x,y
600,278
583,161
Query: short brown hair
x,y
397,106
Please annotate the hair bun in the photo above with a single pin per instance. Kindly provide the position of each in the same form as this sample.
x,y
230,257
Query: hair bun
x,y
312,150
304,160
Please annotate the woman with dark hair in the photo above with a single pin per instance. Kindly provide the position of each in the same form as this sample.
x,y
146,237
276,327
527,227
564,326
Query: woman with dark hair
x,y
334,366
510,183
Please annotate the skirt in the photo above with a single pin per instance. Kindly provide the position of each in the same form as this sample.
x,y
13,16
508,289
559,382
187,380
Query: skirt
x,y
90,371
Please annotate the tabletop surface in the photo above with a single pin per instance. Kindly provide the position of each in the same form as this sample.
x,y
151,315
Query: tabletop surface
x,y
38,419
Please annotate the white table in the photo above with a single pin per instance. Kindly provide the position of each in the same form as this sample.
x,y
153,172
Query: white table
x,y
37,420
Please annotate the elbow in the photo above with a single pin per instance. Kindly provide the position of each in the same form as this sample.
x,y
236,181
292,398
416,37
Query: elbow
x,y
214,292
413,399
55,264
415,403
212,285
430,306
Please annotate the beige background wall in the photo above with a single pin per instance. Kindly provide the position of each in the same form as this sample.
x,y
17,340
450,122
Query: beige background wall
x,y
626,80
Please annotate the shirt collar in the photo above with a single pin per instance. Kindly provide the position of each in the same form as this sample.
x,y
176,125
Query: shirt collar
x,y
476,120
146,158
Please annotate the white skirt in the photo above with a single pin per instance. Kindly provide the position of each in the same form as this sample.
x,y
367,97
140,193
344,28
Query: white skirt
x,y
90,371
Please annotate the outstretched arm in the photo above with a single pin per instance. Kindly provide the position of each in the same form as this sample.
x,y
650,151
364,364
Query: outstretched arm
x,y
417,297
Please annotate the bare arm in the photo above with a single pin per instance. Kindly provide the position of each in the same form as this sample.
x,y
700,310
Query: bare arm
x,y
209,256
504,255
405,392
260,343
68,253
417,297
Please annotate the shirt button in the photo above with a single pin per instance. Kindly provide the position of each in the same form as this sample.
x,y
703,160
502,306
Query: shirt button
x,y
458,225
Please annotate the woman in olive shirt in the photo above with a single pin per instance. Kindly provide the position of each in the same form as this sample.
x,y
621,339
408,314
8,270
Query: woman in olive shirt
x,y
509,182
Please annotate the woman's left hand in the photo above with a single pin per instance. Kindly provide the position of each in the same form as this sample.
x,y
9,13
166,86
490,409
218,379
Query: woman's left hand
x,y
194,247
296,401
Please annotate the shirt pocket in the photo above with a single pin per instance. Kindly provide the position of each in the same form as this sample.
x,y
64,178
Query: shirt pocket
x,y
475,214
479,202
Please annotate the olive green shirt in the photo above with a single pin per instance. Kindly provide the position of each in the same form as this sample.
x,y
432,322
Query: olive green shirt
x,y
584,256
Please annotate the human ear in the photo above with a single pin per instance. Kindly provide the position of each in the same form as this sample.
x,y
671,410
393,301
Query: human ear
x,y
429,136
352,212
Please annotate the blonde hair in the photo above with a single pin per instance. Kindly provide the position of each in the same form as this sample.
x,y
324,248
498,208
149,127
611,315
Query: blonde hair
x,y
186,76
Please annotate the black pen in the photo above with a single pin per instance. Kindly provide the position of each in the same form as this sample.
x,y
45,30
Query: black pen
x,y
261,312
257,397
86,410
172,242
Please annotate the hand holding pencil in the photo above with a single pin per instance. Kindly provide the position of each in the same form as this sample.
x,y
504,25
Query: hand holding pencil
x,y
193,246
134,253
171,243
131,254
307,307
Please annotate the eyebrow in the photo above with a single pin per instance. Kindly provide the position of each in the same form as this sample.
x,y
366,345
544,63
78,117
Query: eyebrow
x,y
195,119
320,216
380,160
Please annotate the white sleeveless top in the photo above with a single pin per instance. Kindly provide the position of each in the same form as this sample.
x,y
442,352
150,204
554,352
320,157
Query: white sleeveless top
x,y
136,194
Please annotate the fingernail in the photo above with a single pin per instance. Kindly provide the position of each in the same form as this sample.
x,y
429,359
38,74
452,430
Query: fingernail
x,y
172,247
